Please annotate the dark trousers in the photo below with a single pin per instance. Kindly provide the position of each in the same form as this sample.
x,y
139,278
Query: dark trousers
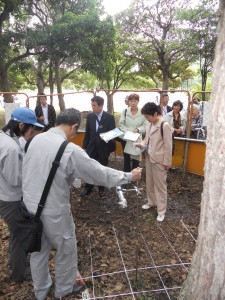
x,y
17,256
103,160
128,163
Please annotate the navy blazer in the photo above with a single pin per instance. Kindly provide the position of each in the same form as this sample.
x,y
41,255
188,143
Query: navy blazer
x,y
92,141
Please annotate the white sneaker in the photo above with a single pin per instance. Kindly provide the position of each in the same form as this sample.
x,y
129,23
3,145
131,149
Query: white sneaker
x,y
146,206
160,218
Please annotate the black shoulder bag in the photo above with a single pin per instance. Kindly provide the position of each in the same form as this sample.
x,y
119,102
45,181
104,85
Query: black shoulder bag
x,y
28,227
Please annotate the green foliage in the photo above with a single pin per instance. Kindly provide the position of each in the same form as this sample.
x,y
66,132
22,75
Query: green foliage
x,y
156,40
81,80
160,39
152,44
200,31
138,82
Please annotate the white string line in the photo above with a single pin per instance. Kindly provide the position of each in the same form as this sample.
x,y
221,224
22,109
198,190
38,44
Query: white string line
x,y
136,293
171,246
92,274
139,269
146,245
117,241
188,230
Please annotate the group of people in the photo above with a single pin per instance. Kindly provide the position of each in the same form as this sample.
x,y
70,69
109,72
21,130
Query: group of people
x,y
148,121
177,118
25,176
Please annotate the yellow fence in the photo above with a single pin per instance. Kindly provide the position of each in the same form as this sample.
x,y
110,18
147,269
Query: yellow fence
x,y
195,159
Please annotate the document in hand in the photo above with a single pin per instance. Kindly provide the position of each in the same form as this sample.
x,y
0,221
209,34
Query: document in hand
x,y
131,136
112,134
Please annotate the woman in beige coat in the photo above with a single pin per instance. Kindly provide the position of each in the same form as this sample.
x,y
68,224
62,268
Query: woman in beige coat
x,y
131,120
158,159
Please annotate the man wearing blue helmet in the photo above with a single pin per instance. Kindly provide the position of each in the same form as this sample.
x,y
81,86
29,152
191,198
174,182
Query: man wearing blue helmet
x,y
11,158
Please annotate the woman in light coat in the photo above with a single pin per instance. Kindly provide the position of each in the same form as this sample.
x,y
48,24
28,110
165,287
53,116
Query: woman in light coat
x,y
176,120
131,120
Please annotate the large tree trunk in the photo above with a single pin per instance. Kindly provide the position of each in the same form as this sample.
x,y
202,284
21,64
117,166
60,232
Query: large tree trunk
x,y
206,279
59,85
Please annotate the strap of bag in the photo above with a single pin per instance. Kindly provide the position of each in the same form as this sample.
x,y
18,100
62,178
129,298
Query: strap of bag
x,y
51,176
125,116
161,128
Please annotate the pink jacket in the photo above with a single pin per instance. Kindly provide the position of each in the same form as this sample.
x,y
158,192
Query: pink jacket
x,y
161,148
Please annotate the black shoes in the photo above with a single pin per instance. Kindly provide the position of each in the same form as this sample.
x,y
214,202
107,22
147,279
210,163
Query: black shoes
x,y
77,289
102,193
86,191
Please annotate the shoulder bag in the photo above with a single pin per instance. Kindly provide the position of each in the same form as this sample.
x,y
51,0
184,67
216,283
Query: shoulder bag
x,y
27,227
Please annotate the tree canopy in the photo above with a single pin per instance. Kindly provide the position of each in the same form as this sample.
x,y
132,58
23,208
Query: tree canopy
x,y
47,42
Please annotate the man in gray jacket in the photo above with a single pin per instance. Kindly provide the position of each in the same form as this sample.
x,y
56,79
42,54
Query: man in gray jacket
x,y
58,224
11,157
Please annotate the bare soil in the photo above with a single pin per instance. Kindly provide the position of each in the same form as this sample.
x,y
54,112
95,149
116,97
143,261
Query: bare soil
x,y
126,253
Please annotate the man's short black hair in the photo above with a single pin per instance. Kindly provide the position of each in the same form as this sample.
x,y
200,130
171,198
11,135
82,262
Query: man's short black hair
x,y
150,109
99,100
69,116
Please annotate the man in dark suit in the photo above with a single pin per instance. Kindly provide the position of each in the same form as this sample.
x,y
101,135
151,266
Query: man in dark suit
x,y
164,105
98,122
46,112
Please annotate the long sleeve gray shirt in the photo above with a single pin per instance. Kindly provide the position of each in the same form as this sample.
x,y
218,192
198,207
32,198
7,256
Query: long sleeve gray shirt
x,y
11,160
75,163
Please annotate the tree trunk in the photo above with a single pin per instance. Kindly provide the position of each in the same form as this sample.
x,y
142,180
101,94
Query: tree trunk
x,y
165,83
4,83
204,75
110,107
59,85
40,79
51,82
206,279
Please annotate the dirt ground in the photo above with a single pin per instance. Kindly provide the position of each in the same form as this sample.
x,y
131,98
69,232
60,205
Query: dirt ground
x,y
126,253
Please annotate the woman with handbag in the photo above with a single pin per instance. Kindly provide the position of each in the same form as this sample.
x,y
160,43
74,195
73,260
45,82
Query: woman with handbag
x,y
131,120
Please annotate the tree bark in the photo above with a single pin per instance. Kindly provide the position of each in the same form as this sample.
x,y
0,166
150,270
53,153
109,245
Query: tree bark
x,y
51,82
109,102
206,279
59,85
4,83
40,78
165,83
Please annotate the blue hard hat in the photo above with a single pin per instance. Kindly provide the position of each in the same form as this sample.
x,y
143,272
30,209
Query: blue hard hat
x,y
26,116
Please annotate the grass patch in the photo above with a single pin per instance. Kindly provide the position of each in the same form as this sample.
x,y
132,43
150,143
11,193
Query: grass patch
x,y
150,217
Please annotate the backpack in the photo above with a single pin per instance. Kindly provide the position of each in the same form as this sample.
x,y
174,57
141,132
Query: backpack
x,y
173,140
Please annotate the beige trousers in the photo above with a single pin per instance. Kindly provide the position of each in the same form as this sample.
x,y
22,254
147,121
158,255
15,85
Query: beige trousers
x,y
156,185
